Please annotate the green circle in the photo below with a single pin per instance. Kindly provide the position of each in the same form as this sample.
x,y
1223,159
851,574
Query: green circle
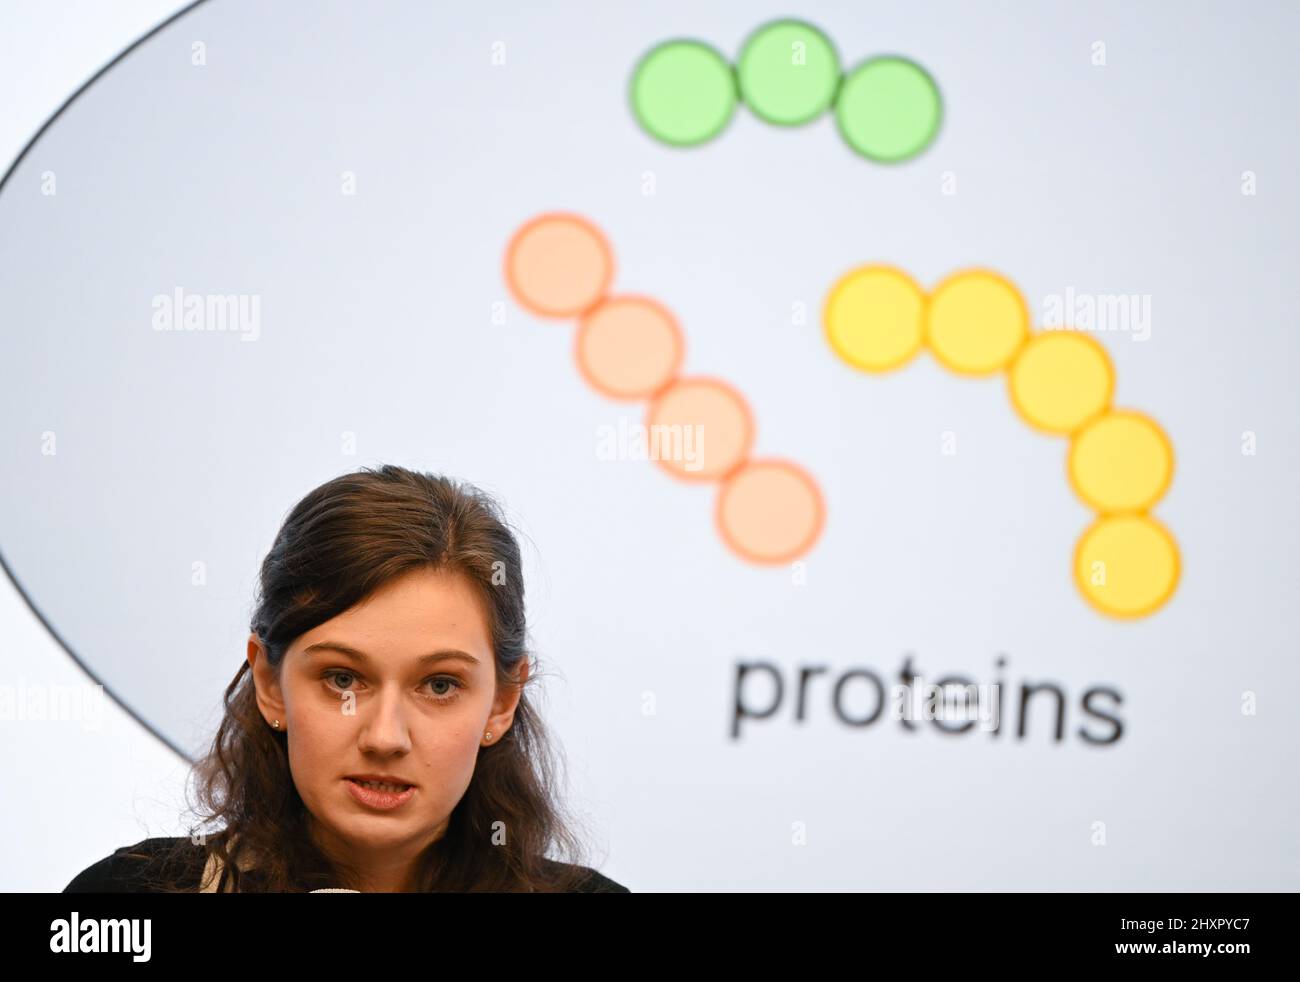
x,y
683,92
788,72
888,109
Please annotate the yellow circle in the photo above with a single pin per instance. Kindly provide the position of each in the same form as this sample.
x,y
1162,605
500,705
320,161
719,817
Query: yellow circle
x,y
873,318
1060,380
975,322
1126,565
1121,462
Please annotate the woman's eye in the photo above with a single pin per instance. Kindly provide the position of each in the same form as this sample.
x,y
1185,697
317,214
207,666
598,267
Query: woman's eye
x,y
444,694
442,689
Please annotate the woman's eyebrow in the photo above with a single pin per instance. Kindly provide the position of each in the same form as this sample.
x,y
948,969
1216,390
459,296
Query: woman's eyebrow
x,y
343,649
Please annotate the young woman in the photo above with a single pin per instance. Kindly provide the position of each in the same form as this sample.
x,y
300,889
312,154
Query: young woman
x,y
379,736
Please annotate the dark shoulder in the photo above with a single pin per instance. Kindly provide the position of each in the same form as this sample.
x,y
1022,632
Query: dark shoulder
x,y
143,867
589,880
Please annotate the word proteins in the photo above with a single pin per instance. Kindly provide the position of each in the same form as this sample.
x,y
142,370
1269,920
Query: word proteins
x,y
952,705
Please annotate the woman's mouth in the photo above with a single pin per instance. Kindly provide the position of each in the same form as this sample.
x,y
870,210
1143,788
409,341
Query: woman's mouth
x,y
377,794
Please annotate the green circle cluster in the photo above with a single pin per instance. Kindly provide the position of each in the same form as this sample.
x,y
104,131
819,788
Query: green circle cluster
x,y
887,108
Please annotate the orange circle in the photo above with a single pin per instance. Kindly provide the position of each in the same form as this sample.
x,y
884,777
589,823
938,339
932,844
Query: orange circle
x,y
558,265
628,347
706,425
770,511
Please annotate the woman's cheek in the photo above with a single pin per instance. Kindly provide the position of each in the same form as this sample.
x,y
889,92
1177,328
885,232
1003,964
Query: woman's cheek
x,y
319,736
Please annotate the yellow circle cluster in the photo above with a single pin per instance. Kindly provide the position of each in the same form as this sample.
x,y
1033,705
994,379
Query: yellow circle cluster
x,y
1120,462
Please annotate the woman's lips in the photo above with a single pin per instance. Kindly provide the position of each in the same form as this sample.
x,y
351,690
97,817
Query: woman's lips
x,y
375,798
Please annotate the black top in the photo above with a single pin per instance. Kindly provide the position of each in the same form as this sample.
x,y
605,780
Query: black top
x,y
123,873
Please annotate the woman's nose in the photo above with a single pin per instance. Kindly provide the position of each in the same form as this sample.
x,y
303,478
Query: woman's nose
x,y
384,728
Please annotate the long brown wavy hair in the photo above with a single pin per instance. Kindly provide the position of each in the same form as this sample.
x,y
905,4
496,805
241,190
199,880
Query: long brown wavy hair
x,y
340,543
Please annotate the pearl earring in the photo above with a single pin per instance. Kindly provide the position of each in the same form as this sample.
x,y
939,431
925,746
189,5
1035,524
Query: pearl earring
x,y
276,724
489,736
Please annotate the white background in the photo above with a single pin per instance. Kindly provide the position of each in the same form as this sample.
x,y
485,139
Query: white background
x,y
69,797
1122,179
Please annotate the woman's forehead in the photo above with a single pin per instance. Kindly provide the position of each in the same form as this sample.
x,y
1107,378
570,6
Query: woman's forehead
x,y
409,617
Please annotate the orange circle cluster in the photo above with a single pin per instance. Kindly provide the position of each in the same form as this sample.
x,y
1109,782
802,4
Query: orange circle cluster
x,y
976,323
630,347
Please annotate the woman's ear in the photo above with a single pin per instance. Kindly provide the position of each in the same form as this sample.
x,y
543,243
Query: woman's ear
x,y
503,707
266,681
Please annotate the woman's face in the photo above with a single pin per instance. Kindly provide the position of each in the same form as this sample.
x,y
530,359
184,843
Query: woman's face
x,y
401,685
